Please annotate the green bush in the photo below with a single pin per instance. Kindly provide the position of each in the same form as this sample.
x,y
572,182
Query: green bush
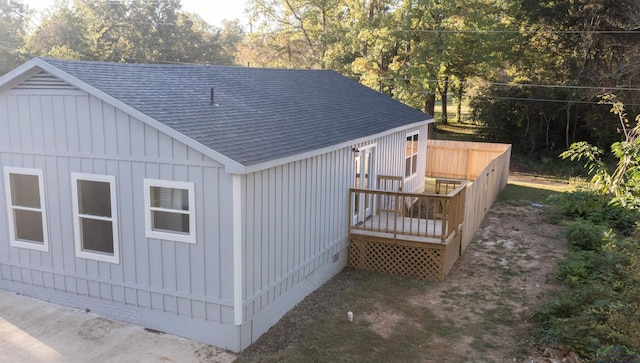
x,y
602,306
585,235
582,203
598,208
576,268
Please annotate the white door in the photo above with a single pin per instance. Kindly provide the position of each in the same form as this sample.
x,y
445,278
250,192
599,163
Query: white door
x,y
365,175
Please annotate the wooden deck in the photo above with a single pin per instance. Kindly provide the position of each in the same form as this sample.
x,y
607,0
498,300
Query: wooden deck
x,y
404,228
408,234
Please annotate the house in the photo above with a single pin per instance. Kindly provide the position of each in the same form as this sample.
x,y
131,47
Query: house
x,y
201,201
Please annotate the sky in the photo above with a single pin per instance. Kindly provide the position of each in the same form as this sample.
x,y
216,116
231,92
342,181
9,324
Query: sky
x,y
212,11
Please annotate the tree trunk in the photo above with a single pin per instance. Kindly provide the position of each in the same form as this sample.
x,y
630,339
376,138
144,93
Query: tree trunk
x,y
443,96
566,136
459,105
429,103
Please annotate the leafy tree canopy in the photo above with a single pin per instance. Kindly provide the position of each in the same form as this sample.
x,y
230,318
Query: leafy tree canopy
x,y
117,31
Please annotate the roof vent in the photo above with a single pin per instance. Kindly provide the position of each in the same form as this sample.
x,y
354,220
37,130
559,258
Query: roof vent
x,y
45,81
213,99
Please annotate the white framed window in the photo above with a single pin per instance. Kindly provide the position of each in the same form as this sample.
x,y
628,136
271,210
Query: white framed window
x,y
24,190
95,219
411,156
170,210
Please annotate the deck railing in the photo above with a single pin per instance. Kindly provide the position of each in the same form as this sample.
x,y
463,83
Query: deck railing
x,y
402,215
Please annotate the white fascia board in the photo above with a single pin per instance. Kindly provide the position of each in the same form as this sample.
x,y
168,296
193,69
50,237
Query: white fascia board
x,y
37,62
20,74
316,152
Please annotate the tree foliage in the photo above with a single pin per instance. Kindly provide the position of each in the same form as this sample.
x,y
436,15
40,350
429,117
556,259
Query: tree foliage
x,y
623,183
131,31
13,27
410,49
569,53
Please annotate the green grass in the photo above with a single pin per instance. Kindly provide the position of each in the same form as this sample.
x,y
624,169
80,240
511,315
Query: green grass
x,y
452,108
333,339
459,132
522,192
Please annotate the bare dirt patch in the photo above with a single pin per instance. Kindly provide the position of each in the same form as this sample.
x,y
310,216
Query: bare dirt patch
x,y
480,313
384,321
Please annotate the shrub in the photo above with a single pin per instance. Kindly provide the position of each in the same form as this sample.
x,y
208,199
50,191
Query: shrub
x,y
585,235
582,203
576,267
602,306
598,208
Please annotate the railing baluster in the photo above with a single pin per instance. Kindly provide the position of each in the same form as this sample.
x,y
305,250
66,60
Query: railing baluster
x,y
409,214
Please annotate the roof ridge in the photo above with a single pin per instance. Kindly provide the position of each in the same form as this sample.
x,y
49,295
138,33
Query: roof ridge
x,y
176,65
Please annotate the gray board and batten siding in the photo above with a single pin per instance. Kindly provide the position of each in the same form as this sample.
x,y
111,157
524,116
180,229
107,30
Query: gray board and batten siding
x,y
270,161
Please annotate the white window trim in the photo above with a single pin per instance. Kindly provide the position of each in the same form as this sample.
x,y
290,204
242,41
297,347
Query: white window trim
x,y
169,235
95,255
44,247
412,175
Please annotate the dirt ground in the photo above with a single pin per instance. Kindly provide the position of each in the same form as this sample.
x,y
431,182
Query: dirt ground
x,y
480,313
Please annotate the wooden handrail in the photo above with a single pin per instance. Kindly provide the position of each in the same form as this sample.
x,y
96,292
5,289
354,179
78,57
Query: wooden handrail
x,y
409,214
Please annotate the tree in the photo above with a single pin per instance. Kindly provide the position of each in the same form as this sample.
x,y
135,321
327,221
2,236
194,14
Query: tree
x,y
623,184
230,37
298,33
129,31
569,52
59,35
440,43
413,50
13,24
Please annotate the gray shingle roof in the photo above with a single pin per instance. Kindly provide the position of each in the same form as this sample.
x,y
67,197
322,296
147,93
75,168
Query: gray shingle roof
x,y
259,114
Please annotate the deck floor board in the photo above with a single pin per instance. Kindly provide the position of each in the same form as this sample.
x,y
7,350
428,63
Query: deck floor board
x,y
391,225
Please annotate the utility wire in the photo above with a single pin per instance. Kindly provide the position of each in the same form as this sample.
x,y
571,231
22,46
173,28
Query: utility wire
x,y
614,88
517,31
546,100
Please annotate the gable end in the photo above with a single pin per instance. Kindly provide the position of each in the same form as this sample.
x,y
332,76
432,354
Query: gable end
x,y
44,81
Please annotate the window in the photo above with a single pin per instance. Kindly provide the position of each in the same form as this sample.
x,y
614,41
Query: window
x,y
411,156
95,217
170,210
26,209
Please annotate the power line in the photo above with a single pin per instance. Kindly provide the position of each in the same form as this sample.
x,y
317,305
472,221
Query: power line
x,y
545,100
564,86
518,31
613,88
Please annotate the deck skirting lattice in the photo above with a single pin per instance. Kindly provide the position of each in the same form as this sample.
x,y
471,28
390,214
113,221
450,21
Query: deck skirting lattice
x,y
404,258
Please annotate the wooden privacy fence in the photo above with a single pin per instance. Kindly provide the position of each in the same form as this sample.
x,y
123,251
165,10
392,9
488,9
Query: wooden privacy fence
x,y
485,164
462,160
422,234
483,191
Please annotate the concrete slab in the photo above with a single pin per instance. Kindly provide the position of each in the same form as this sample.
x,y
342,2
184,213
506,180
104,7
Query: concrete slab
x,y
32,330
